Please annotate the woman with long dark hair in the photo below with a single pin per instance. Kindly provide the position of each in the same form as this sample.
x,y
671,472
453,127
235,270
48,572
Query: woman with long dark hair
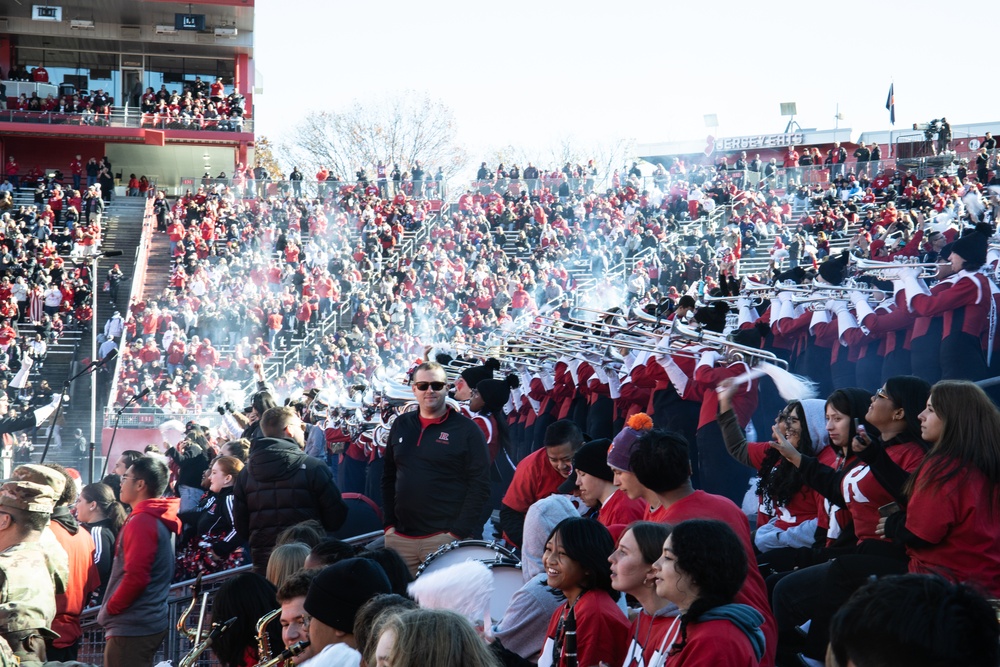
x,y
589,627
950,522
632,573
701,569
247,597
789,510
103,516
214,545
892,436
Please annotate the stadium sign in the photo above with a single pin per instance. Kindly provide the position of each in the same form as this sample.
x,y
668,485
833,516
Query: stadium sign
x,y
759,141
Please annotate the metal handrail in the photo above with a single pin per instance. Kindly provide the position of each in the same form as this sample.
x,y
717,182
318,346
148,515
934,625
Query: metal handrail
x,y
178,598
125,117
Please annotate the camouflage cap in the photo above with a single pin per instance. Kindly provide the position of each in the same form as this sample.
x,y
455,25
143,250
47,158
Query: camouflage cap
x,y
30,472
28,496
17,618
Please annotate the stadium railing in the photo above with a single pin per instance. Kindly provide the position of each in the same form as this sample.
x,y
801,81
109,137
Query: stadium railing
x,y
176,645
124,117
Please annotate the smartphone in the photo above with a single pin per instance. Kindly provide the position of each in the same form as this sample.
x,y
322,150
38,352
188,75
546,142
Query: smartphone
x,y
888,509
859,429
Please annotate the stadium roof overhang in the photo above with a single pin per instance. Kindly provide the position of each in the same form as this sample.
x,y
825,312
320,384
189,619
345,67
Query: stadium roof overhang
x,y
133,26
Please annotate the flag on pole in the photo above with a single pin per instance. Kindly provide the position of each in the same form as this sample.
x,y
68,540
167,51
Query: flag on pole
x,y
890,104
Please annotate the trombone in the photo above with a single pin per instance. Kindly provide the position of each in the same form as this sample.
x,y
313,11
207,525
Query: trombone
x,y
720,342
888,270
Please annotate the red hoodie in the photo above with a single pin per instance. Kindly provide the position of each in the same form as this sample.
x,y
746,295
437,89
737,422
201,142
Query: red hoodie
x,y
143,566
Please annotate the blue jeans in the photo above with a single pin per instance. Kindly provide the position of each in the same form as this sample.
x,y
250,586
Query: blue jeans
x,y
189,495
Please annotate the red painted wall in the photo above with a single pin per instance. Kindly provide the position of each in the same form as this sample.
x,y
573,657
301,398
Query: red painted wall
x,y
55,153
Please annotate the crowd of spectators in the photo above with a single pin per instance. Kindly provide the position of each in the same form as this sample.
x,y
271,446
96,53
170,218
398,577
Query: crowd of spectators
x,y
43,290
250,274
199,106
257,267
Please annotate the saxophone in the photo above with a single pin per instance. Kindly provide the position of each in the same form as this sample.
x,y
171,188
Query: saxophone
x,y
182,621
285,657
217,629
263,643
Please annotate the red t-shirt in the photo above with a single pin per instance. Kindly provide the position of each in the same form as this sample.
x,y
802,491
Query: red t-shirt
x,y
715,644
602,632
656,516
620,510
647,637
965,535
534,479
701,505
864,494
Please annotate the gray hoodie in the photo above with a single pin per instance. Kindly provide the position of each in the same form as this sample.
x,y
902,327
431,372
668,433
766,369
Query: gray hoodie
x,y
523,626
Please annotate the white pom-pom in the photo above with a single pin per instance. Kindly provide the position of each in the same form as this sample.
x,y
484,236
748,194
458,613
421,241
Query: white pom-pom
x,y
465,588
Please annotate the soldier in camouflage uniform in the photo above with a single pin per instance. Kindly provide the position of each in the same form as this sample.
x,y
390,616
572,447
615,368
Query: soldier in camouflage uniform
x,y
56,559
27,592
27,595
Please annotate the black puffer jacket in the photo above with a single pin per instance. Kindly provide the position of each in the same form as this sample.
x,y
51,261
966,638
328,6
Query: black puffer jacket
x,y
280,487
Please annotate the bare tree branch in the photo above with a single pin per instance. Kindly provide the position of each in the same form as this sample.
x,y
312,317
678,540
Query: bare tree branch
x,y
399,130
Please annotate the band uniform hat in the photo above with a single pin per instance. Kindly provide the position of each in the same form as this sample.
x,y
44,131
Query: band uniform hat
x,y
473,375
972,247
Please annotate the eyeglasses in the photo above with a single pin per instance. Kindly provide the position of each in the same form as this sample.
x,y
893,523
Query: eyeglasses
x,y
881,394
436,386
124,477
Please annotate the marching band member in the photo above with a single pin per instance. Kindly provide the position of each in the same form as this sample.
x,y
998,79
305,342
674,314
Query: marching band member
x,y
965,304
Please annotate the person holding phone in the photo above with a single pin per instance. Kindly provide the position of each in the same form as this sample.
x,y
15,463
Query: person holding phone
x,y
789,512
892,434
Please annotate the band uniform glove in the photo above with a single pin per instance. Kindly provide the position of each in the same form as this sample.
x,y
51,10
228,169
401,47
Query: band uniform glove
x,y
836,305
44,412
709,358
21,379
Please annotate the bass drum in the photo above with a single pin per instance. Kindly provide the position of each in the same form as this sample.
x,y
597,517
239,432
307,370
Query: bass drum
x,y
461,551
505,566
507,580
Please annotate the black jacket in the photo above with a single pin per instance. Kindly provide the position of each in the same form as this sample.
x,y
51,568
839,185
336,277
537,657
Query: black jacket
x,y
280,487
191,464
104,552
435,480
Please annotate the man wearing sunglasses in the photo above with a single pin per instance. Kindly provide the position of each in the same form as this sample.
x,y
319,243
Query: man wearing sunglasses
x,y
436,477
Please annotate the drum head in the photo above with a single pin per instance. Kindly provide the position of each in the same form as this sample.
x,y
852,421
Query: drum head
x,y
507,580
461,551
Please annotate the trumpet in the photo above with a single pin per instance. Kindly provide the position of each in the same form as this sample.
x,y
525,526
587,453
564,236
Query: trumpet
x,y
888,270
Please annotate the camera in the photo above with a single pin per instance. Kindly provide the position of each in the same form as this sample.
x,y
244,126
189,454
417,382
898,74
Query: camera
x,y
224,408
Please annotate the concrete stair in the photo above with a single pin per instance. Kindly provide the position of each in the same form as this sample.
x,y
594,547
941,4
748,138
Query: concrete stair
x,y
122,231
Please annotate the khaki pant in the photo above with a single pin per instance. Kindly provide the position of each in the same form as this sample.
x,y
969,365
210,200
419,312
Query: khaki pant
x,y
132,651
415,549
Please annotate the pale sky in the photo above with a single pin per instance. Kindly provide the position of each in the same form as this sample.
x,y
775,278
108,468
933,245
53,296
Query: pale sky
x,y
531,73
